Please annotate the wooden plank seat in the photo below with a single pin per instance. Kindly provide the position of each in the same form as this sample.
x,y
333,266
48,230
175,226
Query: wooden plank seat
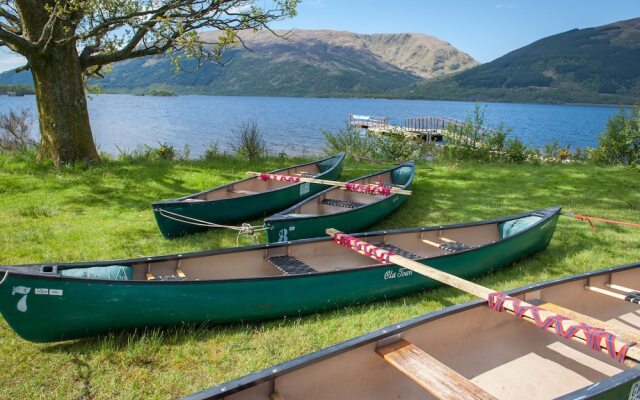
x,y
399,251
179,275
290,265
432,375
342,203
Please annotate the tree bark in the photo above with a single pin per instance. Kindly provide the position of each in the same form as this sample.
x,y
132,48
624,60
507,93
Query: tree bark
x,y
62,106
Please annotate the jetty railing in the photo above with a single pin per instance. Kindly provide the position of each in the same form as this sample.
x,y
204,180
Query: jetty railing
x,y
367,121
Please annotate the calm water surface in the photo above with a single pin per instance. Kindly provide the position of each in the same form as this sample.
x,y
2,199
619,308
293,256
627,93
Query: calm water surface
x,y
295,125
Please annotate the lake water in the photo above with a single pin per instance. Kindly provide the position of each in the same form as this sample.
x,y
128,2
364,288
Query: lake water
x,y
295,125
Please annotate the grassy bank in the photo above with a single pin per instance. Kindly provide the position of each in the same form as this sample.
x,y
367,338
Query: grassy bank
x,y
103,212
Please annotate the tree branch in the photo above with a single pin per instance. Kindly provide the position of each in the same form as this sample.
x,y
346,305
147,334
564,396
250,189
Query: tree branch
x,y
15,42
9,16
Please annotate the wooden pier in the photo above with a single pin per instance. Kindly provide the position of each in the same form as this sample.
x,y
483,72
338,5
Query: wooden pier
x,y
426,129
368,122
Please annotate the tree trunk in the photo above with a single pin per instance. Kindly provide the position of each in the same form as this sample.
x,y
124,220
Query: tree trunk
x,y
62,106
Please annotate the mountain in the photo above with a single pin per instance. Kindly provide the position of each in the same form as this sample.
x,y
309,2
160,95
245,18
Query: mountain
x,y
593,65
302,63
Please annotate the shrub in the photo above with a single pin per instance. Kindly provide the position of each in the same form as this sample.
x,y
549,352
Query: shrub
x,y
15,130
164,151
515,151
620,143
248,141
395,147
212,151
349,140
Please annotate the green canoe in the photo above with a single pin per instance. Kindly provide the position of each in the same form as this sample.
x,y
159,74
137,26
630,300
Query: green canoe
x,y
242,200
53,302
469,351
346,211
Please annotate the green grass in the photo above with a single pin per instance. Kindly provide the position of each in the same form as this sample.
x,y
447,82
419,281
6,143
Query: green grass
x,y
103,212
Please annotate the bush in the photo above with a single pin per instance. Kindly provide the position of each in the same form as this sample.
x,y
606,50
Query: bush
x,y
620,143
164,151
212,151
15,131
396,147
248,141
351,141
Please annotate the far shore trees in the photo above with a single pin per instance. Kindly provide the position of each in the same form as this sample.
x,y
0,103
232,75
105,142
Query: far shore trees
x,y
66,41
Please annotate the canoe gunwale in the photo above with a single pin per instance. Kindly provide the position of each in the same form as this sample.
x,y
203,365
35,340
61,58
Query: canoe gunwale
x,y
548,213
181,200
272,372
281,215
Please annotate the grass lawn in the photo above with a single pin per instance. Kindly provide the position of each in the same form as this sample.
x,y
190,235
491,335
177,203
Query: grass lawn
x,y
103,213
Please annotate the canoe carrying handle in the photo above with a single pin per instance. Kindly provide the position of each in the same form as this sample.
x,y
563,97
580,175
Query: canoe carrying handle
x,y
362,247
372,188
595,336
49,269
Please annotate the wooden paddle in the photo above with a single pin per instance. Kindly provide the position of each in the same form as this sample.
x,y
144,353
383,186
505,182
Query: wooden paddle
x,y
633,353
324,182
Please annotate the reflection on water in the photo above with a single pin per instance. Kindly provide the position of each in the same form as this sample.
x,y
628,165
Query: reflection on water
x,y
295,125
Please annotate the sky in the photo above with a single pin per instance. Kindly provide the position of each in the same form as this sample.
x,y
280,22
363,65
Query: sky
x,y
485,29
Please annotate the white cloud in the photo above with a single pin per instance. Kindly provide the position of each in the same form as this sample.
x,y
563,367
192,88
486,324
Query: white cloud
x,y
9,60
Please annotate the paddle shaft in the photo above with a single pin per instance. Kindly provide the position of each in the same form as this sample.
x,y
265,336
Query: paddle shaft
x,y
481,292
332,183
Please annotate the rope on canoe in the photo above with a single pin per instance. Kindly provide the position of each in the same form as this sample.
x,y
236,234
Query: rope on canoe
x,y
366,248
591,219
244,229
594,335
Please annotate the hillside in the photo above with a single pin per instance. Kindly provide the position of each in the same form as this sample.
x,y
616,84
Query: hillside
x,y
304,63
594,65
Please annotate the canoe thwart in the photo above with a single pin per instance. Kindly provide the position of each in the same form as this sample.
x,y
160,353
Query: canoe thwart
x,y
432,375
622,288
632,297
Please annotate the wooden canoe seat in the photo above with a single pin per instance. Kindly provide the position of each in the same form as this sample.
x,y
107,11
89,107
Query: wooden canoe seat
x,y
449,245
401,252
342,203
178,276
432,375
290,265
